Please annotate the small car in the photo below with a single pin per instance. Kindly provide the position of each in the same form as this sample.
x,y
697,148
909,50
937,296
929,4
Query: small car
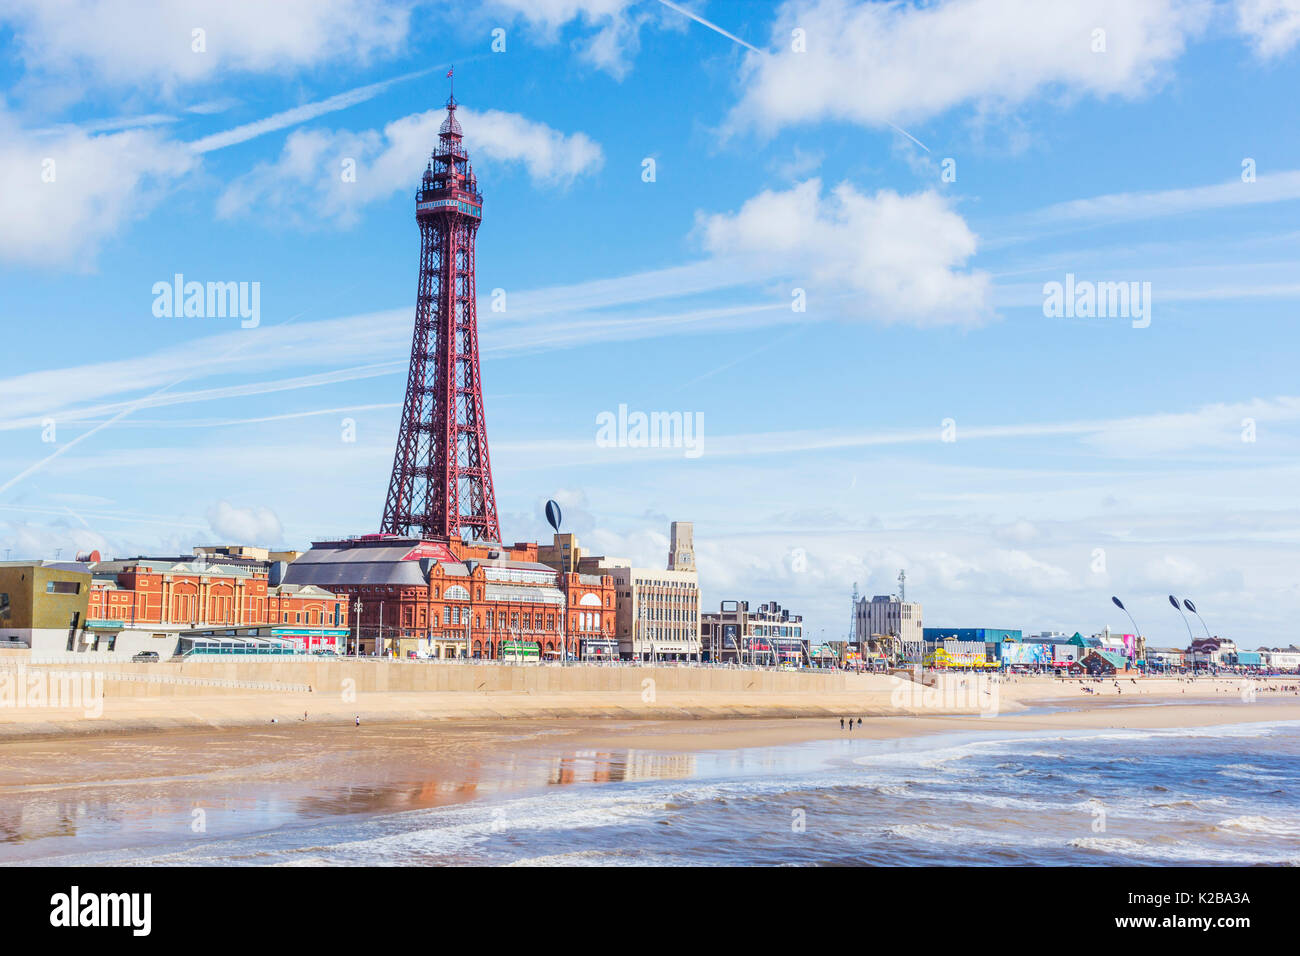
x,y
145,657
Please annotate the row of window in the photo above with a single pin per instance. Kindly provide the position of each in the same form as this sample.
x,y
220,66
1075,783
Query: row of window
x,y
527,620
185,607
651,613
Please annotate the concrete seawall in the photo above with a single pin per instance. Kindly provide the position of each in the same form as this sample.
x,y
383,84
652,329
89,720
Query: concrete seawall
x,y
240,676
230,693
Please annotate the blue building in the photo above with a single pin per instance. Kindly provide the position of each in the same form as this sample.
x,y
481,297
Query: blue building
x,y
989,635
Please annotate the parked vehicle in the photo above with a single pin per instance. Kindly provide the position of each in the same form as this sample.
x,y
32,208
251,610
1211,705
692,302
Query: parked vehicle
x,y
145,657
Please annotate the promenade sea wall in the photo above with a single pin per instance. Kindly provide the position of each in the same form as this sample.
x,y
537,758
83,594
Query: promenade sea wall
x,y
364,675
122,697
219,693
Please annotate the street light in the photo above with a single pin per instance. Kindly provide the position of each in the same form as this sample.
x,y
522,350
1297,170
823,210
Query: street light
x,y
1120,604
1190,639
1137,631
1179,608
356,627
1192,607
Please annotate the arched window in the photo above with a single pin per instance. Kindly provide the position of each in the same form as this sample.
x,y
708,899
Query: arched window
x,y
457,593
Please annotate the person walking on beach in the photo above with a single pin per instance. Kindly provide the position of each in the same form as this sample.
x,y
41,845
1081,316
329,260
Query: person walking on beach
x,y
358,720
841,723
859,721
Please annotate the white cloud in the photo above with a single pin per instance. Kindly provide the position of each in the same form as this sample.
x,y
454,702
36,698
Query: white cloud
x,y
66,191
999,571
877,63
244,525
616,25
550,156
1171,572
73,189
1019,532
1273,26
24,539
306,183
139,42
901,254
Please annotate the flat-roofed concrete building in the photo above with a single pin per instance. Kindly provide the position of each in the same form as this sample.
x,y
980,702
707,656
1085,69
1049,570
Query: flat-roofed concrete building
x,y
886,619
769,635
658,613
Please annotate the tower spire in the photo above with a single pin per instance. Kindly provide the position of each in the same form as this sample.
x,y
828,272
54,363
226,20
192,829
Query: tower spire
x,y
441,486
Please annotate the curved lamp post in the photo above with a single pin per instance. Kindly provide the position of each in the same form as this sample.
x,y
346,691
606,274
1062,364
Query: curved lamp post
x,y
1192,607
1190,640
1137,631
1179,608
1120,604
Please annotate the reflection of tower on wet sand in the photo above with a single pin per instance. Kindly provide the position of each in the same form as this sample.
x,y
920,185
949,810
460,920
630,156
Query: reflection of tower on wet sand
x,y
591,766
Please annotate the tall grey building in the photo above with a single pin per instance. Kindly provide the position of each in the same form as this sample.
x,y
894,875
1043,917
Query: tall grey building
x,y
681,551
887,615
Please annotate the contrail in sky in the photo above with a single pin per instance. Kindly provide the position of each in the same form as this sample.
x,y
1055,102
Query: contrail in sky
x,y
712,26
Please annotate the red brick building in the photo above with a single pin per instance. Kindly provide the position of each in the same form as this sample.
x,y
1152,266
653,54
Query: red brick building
x,y
191,593
455,599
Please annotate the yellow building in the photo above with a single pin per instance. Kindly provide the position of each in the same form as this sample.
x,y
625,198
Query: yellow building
x,y
43,603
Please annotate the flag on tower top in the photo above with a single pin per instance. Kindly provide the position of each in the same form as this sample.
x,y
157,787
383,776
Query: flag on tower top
x,y
449,72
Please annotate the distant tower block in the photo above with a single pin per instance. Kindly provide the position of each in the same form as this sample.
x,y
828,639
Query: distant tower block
x,y
681,553
441,485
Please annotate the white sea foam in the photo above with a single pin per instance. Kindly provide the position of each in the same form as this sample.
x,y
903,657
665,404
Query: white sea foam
x,y
1245,771
1179,851
943,750
1269,826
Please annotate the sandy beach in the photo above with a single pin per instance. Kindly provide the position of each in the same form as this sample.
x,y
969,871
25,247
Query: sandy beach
x,y
153,767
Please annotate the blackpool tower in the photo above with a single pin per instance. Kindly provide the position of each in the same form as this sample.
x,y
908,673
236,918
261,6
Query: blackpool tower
x,y
441,485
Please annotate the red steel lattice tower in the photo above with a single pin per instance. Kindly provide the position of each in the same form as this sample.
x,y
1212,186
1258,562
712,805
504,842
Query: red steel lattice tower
x,y
441,485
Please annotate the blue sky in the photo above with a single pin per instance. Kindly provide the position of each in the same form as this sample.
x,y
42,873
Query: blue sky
x,y
806,151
